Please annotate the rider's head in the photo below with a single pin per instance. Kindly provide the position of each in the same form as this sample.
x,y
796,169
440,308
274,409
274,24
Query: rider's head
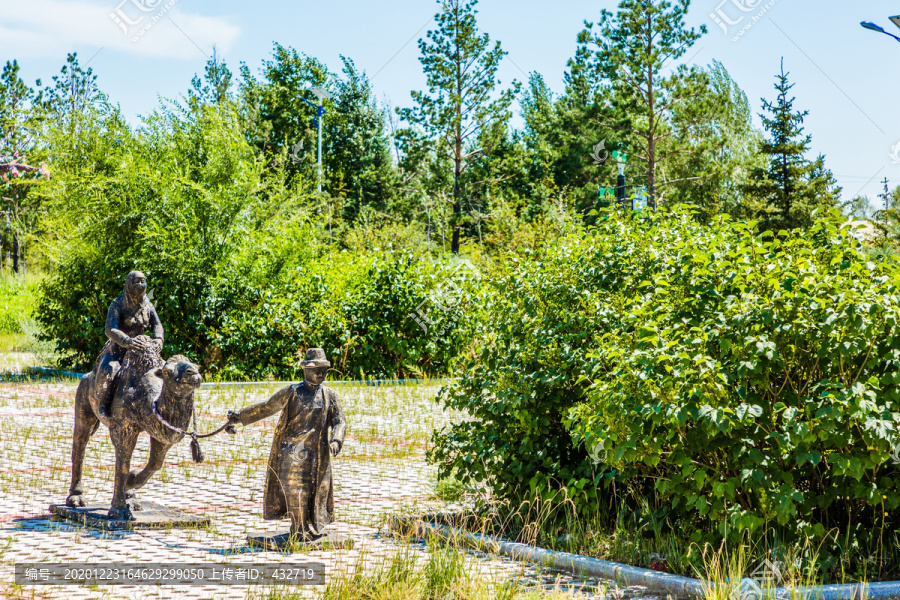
x,y
135,287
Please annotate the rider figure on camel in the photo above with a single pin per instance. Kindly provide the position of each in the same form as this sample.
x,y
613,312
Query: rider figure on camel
x,y
129,316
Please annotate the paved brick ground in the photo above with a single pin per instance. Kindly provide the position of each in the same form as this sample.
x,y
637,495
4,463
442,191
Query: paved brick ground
x,y
381,472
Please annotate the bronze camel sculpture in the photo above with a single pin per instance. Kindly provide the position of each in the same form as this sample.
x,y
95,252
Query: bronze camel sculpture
x,y
146,389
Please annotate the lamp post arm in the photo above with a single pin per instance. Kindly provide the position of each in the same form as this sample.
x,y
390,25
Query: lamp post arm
x,y
875,27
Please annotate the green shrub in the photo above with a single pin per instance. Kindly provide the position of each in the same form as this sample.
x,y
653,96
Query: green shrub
x,y
540,320
737,382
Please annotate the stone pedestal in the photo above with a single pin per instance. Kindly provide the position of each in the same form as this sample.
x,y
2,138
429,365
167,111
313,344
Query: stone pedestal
x,y
283,541
147,515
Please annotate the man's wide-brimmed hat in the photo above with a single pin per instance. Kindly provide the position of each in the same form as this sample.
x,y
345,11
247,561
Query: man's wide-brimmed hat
x,y
315,357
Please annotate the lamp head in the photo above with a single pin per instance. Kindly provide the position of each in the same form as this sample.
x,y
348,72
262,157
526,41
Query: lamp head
x,y
872,26
321,93
895,20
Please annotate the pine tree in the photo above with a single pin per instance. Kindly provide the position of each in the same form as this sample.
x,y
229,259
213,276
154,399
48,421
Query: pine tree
x,y
790,187
15,111
634,47
217,79
456,113
73,97
357,146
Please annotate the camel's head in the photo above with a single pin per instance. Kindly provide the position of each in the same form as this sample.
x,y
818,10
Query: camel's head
x,y
180,374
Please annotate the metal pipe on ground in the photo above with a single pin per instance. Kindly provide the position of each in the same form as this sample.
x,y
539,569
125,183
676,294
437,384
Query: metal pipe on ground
x,y
654,581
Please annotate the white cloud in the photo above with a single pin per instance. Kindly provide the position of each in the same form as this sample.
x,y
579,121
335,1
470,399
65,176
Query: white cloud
x,y
145,28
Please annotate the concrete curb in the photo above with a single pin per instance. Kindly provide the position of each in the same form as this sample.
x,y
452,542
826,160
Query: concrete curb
x,y
48,372
360,382
627,575
213,385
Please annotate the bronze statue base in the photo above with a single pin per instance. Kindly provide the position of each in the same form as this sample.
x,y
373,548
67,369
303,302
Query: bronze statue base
x,y
147,515
283,541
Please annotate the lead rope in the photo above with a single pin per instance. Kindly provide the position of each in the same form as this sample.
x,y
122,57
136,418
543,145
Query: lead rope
x,y
196,453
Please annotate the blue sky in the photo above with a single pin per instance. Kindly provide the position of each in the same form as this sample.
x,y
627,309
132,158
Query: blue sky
x,y
841,70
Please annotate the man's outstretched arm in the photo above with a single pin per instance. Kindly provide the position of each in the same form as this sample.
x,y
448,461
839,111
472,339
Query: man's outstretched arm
x,y
258,412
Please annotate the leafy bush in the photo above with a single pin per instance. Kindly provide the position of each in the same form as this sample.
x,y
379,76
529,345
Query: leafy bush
x,y
358,308
734,381
540,320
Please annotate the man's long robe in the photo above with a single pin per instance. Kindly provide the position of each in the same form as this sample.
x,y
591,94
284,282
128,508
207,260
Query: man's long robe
x,y
298,477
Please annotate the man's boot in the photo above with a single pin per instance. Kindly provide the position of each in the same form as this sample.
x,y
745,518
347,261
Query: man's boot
x,y
103,410
103,405
104,395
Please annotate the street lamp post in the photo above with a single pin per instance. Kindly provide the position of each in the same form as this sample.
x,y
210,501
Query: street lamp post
x,y
621,160
322,95
870,25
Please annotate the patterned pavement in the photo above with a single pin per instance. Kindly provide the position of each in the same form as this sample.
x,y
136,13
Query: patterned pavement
x,y
381,472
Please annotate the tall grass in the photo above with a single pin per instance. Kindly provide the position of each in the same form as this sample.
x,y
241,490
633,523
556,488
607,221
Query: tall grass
x,y
726,572
18,297
19,332
554,524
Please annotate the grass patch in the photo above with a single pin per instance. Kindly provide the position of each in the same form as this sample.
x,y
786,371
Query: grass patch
x,y
19,331
443,573
18,297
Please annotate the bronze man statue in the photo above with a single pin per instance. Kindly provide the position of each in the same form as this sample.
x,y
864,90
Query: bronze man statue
x,y
130,315
310,431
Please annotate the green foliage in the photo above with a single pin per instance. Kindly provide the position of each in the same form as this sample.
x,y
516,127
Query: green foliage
x,y
18,296
737,382
245,264
20,118
15,104
217,79
357,169
180,200
561,139
359,308
718,145
356,144
538,327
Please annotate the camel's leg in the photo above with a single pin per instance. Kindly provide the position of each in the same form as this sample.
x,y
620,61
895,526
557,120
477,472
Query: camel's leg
x,y
86,424
158,452
103,385
124,440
